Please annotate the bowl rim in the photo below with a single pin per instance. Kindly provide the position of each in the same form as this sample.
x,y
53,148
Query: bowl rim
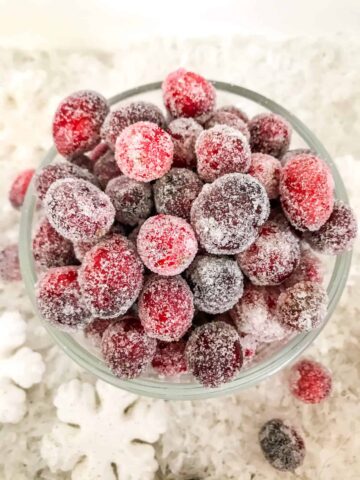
x,y
189,391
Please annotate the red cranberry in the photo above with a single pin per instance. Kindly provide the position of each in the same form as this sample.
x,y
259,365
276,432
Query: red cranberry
x,y
106,168
9,264
19,187
235,111
310,381
294,153
169,359
229,119
266,169
184,133
310,269
270,134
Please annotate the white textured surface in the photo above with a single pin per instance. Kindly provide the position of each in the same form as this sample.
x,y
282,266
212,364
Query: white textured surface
x,y
318,80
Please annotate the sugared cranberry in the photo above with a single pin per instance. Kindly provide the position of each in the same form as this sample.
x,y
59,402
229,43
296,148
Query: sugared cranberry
x,y
303,306
81,248
306,189
184,133
226,214
187,94
94,331
175,192
310,269
9,264
111,277
169,359
235,111
221,150
213,353
106,168
78,210
77,122
294,153
266,169
166,244
59,299
19,187
309,381
166,307
229,119
126,348
144,151
338,233
270,134
132,200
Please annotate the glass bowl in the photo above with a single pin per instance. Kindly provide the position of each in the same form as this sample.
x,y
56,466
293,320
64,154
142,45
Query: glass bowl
x,y
275,358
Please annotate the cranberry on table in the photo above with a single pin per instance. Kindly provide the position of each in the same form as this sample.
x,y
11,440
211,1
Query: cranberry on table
x,y
227,213
126,348
270,134
307,192
77,122
229,119
94,331
235,111
187,94
106,168
310,381
9,264
111,277
221,150
59,299
184,133
213,354
166,307
294,153
19,187
166,244
338,233
175,192
144,151
310,269
132,200
266,169
169,359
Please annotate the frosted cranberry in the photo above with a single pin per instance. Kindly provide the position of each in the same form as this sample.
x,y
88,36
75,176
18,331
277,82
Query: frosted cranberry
x,y
166,244
81,248
184,133
169,359
144,151
78,210
106,168
217,283
255,314
235,111
83,161
310,269
294,153
282,445
166,307
303,306
77,122
9,264
57,171
187,94
19,187
175,192
266,169
111,277
99,151
213,353
49,248
307,192
310,381
226,213
229,119
270,134
126,348
221,150
132,200
249,345
59,299
94,331
338,233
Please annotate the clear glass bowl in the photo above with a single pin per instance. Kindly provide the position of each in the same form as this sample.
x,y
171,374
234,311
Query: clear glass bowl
x,y
276,357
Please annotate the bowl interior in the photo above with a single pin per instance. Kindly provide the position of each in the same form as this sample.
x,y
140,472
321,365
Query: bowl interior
x,y
275,356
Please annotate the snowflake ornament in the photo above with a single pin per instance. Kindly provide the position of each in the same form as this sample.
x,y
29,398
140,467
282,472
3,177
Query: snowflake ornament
x,y
20,367
103,433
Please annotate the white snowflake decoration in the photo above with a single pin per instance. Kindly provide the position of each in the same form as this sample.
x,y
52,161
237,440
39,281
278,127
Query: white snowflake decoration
x,y
104,433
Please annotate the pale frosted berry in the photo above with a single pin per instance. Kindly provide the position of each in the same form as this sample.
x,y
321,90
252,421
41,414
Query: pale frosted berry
x,y
94,331
106,168
235,111
19,187
310,269
184,133
169,359
231,120
310,381
9,264
266,169
270,134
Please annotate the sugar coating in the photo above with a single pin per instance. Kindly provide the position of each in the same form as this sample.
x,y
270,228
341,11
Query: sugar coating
x,y
310,381
78,210
57,171
255,314
94,331
187,94
144,151
126,348
126,115
310,268
338,233
59,299
166,307
220,117
216,282
19,187
295,152
249,345
266,169
106,168
169,359
111,277
307,192
184,133
77,122
9,264
235,111
270,134
132,200
221,150
213,354
166,244
49,248
303,306
175,192
282,445
226,213
272,257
